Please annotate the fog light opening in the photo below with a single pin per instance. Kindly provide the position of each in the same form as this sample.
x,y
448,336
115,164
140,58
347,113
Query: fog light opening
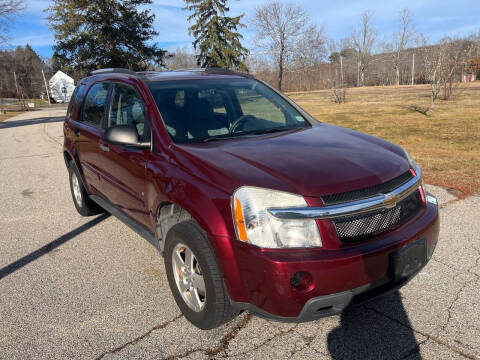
x,y
302,281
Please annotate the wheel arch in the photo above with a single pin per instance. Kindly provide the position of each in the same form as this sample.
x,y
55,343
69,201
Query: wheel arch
x,y
67,157
221,245
70,155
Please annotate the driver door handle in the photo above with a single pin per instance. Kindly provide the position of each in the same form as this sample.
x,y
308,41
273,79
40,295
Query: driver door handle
x,y
104,147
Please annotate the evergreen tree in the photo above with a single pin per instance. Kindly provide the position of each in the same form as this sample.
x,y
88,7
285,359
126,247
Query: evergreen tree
x,y
216,36
91,34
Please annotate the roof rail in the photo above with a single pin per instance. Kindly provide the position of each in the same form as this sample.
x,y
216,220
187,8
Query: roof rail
x,y
215,70
111,70
147,72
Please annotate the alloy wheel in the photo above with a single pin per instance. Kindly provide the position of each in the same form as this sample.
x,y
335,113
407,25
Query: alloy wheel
x,y
189,277
77,190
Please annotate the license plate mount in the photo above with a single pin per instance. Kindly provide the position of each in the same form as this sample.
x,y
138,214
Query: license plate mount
x,y
406,261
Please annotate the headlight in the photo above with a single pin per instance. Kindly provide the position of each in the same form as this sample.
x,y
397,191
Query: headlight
x,y
255,225
411,161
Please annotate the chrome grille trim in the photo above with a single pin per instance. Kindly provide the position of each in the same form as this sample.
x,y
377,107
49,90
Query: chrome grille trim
x,y
380,201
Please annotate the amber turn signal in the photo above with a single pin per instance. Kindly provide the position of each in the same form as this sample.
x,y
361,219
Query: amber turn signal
x,y
240,221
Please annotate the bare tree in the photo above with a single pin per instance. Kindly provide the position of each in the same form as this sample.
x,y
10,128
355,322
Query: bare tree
x,y
475,39
8,9
401,39
338,54
444,63
280,27
363,40
311,48
180,58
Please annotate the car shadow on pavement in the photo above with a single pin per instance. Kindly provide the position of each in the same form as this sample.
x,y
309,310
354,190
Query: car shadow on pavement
x,y
367,333
17,123
9,269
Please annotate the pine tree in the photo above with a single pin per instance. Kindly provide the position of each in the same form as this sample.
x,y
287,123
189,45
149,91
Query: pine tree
x,y
91,34
216,36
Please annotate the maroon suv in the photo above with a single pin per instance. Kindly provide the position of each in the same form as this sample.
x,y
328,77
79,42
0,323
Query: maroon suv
x,y
254,204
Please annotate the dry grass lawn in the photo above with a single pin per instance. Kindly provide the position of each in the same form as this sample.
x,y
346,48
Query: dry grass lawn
x,y
446,144
9,114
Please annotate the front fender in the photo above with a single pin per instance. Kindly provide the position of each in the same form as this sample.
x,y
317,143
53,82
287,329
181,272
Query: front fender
x,y
210,207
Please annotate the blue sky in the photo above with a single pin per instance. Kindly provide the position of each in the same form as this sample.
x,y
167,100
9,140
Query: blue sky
x,y
435,18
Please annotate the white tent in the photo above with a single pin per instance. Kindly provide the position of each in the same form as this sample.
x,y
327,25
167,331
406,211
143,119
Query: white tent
x,y
61,87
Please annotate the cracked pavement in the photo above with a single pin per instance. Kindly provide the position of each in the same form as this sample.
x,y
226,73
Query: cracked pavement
x,y
73,287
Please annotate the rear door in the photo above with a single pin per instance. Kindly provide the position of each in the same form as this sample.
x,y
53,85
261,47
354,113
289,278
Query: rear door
x,y
124,168
89,131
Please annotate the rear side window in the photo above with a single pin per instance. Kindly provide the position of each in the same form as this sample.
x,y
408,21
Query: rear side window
x,y
127,108
94,108
76,100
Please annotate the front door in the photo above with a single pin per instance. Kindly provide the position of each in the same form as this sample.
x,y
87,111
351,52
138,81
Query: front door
x,y
124,168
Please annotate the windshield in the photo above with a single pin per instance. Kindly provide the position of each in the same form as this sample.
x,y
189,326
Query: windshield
x,y
211,109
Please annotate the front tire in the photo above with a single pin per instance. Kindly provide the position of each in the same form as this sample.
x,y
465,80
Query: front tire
x,y
194,277
84,205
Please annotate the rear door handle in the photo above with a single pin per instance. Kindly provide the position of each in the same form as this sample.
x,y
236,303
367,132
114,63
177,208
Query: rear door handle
x,y
104,147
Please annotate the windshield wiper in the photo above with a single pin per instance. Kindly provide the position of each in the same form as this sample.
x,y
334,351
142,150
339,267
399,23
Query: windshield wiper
x,y
277,129
249,133
215,138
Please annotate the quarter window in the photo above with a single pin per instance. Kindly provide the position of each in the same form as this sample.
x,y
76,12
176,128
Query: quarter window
x,y
94,108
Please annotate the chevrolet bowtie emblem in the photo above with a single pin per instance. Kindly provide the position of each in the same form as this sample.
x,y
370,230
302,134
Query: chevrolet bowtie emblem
x,y
390,201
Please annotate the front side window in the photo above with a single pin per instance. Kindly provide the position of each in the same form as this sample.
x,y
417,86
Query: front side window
x,y
127,108
94,108
204,110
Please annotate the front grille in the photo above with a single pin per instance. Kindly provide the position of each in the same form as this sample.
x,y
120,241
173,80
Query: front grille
x,y
368,191
356,228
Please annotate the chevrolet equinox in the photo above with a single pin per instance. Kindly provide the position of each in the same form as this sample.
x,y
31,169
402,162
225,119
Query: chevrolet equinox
x,y
254,204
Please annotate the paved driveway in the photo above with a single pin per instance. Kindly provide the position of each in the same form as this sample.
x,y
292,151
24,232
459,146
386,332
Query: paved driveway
x,y
73,287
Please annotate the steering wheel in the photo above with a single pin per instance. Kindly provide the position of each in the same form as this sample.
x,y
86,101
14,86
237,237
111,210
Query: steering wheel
x,y
240,121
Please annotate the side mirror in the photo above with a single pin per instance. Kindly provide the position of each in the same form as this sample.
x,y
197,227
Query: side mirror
x,y
125,135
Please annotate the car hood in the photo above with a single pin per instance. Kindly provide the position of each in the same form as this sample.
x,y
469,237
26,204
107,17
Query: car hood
x,y
320,160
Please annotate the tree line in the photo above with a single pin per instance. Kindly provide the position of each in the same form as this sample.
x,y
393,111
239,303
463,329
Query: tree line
x,y
21,73
290,51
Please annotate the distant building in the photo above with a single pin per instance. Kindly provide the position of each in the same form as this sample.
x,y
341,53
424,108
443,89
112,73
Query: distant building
x,y
61,87
468,77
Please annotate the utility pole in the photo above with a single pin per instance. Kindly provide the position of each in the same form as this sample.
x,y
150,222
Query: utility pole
x,y
358,73
341,68
16,85
20,95
46,87
413,68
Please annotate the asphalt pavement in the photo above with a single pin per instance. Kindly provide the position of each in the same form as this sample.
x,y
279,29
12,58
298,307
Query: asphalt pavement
x,y
90,288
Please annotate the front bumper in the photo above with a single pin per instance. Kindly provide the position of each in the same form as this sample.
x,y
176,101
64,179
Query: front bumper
x,y
332,304
348,275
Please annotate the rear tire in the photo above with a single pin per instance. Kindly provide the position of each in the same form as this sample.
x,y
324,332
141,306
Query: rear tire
x,y
200,279
84,205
